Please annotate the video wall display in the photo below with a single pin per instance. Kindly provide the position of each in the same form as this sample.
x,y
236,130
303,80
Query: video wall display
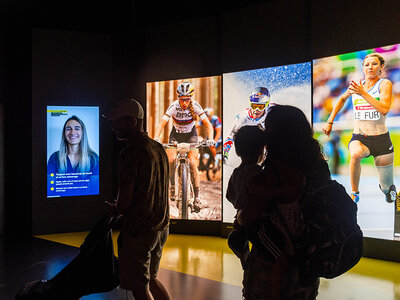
x,y
352,101
246,97
185,116
72,151
359,93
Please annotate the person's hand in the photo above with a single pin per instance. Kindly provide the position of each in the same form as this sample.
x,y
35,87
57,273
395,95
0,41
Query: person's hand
x,y
236,224
356,88
327,128
111,208
210,143
225,157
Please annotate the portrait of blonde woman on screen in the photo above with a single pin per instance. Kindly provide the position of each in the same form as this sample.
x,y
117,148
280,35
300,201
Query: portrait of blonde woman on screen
x,y
74,154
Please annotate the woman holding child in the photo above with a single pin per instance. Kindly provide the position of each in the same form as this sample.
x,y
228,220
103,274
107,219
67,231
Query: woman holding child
x,y
294,158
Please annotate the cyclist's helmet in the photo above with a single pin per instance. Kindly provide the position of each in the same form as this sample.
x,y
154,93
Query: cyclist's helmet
x,y
259,99
209,111
185,89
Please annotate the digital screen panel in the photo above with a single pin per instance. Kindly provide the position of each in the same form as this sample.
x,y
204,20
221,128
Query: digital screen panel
x,y
72,151
288,85
183,115
363,142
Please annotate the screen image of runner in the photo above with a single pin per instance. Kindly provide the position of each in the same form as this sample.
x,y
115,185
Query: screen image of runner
x,y
182,115
289,85
376,127
72,151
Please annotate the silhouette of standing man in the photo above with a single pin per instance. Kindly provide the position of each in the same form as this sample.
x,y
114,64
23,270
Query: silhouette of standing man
x,y
142,202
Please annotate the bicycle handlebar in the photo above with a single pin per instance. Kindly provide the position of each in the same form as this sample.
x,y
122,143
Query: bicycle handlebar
x,y
185,145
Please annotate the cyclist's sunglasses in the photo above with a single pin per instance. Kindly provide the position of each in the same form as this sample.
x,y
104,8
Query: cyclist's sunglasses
x,y
258,106
185,99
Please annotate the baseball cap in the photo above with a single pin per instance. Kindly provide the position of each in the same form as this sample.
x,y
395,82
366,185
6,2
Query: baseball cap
x,y
126,107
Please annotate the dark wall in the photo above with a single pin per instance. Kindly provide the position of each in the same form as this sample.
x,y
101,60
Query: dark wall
x,y
346,26
15,89
95,52
69,69
79,53
266,33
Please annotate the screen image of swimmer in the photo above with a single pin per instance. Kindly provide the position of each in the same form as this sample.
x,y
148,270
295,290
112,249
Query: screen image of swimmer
x,y
246,97
72,151
356,118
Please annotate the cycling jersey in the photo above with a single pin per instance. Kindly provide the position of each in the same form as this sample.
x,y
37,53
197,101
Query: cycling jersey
x,y
182,118
216,123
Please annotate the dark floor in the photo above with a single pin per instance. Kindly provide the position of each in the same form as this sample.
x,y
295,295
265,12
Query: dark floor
x,y
25,259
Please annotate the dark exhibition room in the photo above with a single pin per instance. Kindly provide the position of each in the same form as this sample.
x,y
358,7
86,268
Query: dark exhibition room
x,y
306,208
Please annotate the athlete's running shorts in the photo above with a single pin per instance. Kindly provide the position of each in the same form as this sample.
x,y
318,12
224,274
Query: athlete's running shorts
x,y
376,144
190,137
139,257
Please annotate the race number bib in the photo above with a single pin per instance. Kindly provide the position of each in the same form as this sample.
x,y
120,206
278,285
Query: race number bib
x,y
366,112
363,110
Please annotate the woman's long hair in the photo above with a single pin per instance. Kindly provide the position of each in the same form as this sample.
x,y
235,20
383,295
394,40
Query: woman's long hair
x,y
289,136
85,152
191,109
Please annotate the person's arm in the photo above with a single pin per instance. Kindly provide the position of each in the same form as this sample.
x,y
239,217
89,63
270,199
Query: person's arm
x,y
218,132
126,184
264,190
385,95
210,130
159,128
327,129
228,143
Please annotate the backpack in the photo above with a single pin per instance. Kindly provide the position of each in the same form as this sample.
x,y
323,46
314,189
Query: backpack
x,y
332,241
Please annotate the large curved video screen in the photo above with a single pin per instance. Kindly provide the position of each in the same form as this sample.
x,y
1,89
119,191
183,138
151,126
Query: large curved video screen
x,y
289,84
375,169
182,115
72,151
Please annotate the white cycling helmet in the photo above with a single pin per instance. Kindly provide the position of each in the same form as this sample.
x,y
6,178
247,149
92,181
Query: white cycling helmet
x,y
209,111
185,89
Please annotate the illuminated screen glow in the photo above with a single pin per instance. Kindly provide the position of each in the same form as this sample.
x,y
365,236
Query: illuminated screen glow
x,y
163,105
290,85
331,78
72,151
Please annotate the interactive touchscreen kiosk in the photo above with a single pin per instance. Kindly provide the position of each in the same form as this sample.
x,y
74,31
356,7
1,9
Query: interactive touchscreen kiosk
x,y
72,151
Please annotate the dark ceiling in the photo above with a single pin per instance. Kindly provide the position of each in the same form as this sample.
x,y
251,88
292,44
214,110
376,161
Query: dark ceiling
x,y
120,15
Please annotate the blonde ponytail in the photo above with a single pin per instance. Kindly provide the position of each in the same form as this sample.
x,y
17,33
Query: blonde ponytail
x,y
191,109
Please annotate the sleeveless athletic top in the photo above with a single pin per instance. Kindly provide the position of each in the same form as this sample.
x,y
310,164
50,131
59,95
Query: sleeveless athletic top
x,y
362,109
366,117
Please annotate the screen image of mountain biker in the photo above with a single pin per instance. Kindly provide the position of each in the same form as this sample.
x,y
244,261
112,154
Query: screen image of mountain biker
x,y
356,118
185,117
247,96
72,151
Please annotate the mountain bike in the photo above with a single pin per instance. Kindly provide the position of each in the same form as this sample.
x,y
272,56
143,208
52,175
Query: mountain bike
x,y
184,191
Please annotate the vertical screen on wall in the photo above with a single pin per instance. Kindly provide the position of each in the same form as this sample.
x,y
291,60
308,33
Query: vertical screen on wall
x,y
195,176
332,77
290,84
72,151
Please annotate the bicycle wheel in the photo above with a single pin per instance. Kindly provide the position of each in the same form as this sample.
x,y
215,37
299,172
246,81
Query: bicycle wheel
x,y
213,170
185,190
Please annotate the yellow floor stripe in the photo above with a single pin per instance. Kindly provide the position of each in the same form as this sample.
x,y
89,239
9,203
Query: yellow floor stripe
x,y
210,257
